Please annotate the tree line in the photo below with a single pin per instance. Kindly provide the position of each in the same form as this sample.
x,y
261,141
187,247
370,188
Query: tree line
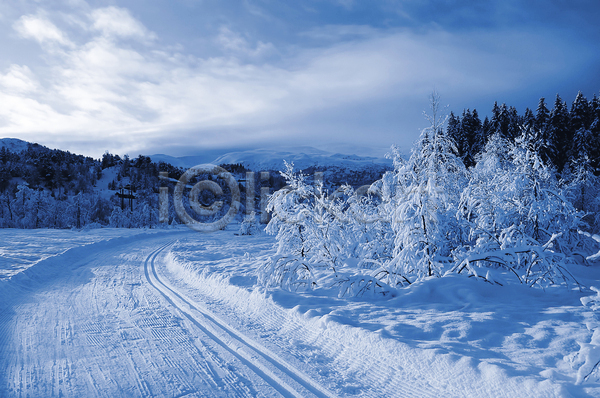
x,y
563,137
50,188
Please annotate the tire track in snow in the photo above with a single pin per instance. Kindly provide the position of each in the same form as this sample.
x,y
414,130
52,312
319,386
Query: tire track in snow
x,y
248,352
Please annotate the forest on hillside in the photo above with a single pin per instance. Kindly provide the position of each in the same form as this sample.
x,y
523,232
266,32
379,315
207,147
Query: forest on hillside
x,y
50,188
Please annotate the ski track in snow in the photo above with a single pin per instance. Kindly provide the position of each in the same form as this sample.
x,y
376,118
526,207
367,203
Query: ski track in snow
x,y
130,317
97,328
248,352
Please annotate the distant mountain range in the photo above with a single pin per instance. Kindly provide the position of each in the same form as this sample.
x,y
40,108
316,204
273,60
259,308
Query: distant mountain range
x,y
338,168
303,157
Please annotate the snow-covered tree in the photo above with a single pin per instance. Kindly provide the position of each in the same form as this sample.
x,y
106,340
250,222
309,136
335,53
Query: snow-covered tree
x,y
424,221
519,217
430,215
324,241
249,225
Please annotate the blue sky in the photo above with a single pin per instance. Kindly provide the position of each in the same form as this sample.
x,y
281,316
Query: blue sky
x,y
185,76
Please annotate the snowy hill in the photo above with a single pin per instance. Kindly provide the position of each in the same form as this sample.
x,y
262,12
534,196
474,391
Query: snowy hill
x,y
302,157
338,168
13,144
272,159
185,162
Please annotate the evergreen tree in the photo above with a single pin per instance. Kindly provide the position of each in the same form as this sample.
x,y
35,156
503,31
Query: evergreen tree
x,y
455,132
486,133
506,121
581,114
514,124
528,120
594,150
547,150
473,132
542,115
560,130
478,138
581,119
498,122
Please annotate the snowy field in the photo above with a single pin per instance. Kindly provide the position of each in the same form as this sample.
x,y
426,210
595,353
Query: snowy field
x,y
175,313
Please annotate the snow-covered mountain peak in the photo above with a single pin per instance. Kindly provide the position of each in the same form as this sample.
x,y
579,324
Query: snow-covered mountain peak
x,y
302,158
273,159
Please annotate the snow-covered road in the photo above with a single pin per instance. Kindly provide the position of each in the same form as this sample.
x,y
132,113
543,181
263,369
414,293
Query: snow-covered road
x,y
99,321
174,313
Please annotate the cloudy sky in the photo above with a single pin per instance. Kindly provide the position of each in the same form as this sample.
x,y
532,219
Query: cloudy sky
x,y
185,76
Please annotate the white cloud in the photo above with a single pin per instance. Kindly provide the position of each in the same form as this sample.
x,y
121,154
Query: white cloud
x,y
341,32
19,79
121,98
234,43
41,30
114,21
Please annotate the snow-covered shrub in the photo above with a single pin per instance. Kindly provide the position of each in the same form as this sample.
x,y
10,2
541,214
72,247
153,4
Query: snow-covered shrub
x,y
297,220
370,226
119,218
93,225
425,201
323,240
517,216
249,226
